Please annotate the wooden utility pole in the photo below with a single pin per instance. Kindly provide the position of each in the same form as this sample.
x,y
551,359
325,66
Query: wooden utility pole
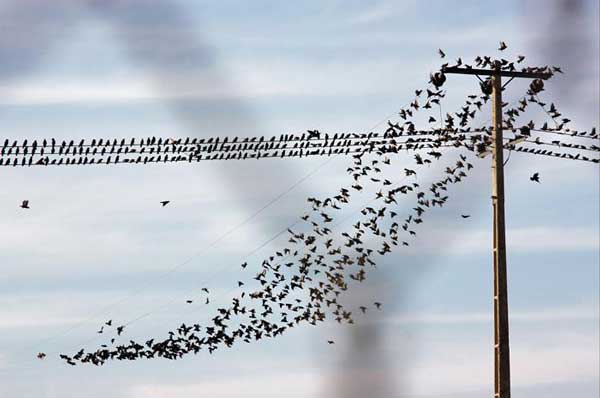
x,y
501,340
501,345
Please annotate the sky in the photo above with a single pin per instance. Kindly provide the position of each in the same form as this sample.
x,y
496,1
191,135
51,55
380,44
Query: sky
x,y
96,244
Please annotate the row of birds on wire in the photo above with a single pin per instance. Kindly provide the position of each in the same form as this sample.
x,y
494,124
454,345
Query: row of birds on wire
x,y
24,154
304,282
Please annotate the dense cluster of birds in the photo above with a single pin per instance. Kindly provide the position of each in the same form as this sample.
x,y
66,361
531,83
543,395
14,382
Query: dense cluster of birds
x,y
304,282
151,150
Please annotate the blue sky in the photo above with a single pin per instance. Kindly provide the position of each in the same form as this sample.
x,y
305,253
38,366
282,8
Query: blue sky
x,y
95,236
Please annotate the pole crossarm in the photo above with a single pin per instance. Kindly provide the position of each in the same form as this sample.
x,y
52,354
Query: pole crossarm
x,y
497,72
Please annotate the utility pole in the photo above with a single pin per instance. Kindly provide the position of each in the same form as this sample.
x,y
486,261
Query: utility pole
x,y
501,335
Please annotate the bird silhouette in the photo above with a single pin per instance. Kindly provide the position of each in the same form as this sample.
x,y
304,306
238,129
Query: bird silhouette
x,y
25,204
535,177
165,202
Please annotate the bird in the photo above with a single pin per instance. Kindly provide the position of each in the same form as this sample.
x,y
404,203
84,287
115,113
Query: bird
x,y
189,301
313,134
165,202
41,355
378,305
535,178
25,204
120,330
330,342
442,53
108,323
245,264
503,46
205,290
465,215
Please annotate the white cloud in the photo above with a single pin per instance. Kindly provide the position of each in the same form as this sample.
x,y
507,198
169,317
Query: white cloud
x,y
248,79
580,313
454,367
279,384
526,239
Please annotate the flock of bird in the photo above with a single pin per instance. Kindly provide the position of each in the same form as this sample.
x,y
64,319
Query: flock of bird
x,y
154,150
304,282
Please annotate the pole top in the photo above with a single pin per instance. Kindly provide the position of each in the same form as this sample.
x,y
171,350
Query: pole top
x,y
530,74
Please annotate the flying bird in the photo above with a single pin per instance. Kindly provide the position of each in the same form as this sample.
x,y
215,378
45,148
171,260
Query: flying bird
x,y
25,204
442,53
535,177
41,355
465,215
503,46
165,202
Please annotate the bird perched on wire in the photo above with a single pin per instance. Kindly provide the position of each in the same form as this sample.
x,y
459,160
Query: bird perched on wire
x,y
535,177
25,204
314,134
